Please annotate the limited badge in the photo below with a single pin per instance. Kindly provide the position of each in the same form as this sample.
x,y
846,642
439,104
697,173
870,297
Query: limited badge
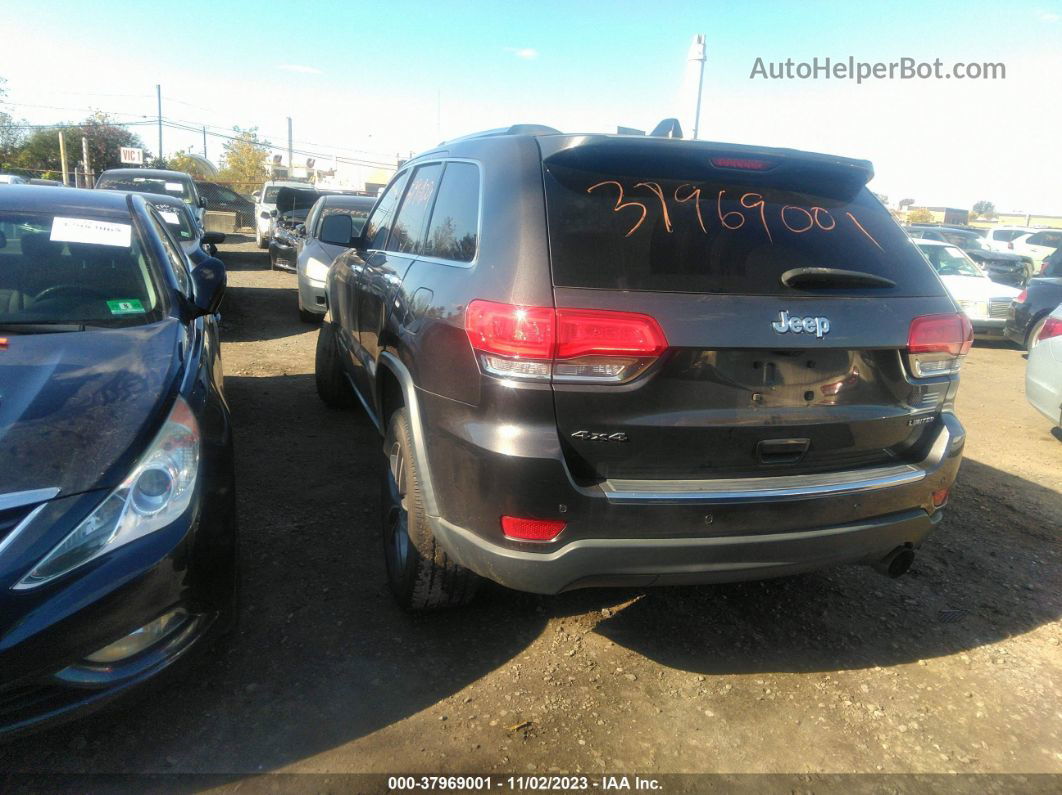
x,y
126,306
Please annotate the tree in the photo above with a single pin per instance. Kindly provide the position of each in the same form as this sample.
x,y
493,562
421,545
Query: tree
x,y
983,209
919,215
181,161
906,203
40,151
11,133
244,161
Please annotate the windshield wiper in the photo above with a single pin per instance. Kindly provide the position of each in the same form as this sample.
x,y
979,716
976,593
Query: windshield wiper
x,y
833,277
40,327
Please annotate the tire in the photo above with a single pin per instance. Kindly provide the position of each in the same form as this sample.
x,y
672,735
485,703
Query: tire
x,y
332,386
1034,332
258,239
309,317
421,575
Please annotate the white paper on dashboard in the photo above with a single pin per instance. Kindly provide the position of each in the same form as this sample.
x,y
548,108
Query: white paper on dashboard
x,y
175,186
170,218
88,230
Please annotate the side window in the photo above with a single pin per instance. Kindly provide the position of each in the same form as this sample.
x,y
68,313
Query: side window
x,y
379,224
173,253
408,233
454,228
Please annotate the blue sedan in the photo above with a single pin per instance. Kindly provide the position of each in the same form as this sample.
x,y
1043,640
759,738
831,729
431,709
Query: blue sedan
x,y
117,505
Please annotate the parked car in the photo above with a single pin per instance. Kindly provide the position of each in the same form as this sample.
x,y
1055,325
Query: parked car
x,y
289,215
52,182
332,224
1001,238
1052,264
265,204
11,179
1038,245
117,514
982,300
603,360
1043,374
223,199
1029,310
196,243
155,180
1002,267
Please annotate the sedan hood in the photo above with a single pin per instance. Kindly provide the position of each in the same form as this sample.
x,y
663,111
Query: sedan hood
x,y
77,408
976,288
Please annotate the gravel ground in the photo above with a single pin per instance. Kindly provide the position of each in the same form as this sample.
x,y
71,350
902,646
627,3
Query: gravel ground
x,y
955,667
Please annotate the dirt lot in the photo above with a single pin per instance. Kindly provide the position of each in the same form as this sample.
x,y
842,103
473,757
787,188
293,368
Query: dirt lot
x,y
955,667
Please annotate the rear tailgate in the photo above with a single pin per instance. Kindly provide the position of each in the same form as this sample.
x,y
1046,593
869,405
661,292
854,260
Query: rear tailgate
x,y
759,377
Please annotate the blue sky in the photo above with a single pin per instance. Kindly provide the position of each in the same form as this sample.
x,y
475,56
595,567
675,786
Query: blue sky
x,y
383,78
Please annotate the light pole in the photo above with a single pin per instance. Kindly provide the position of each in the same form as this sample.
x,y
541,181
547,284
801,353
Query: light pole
x,y
696,61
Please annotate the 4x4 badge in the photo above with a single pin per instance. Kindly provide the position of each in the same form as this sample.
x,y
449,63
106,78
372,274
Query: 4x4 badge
x,y
598,436
819,326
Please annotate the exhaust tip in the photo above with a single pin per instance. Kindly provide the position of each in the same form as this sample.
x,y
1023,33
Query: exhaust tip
x,y
897,563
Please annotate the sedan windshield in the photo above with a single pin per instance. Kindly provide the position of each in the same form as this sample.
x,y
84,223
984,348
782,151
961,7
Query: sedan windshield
x,y
950,261
177,219
64,272
182,189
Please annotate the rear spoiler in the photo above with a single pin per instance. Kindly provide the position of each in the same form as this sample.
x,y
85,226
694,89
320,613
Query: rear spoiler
x,y
672,158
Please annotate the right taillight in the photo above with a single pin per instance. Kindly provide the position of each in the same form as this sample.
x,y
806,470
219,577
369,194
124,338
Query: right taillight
x,y
936,344
573,345
1052,328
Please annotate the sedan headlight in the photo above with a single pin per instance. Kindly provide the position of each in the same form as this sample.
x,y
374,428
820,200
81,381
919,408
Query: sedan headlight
x,y
316,270
157,492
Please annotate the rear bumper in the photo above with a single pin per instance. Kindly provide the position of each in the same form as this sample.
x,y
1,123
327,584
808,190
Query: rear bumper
x,y
654,532
989,327
681,561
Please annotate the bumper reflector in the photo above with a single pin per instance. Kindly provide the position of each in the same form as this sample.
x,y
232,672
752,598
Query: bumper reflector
x,y
940,496
140,639
532,529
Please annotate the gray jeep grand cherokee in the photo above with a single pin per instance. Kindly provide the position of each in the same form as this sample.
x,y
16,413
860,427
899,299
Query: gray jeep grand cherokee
x,y
602,360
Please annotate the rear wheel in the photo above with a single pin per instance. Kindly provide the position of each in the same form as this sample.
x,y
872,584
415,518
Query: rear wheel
x,y
332,386
1034,332
421,575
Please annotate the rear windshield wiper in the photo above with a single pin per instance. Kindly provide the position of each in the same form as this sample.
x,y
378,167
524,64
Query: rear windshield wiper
x,y
833,277
40,327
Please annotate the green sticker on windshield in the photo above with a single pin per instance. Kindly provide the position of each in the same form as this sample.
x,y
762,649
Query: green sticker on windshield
x,y
126,306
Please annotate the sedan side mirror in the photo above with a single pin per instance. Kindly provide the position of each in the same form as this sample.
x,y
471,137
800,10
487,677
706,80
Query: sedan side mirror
x,y
273,213
208,279
202,202
300,230
213,238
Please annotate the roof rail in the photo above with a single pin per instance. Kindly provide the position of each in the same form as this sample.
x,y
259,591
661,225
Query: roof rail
x,y
516,129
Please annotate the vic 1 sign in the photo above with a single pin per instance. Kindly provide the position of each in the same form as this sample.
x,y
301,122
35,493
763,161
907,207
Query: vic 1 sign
x,y
132,155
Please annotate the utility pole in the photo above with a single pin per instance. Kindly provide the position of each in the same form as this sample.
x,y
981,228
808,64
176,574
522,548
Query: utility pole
x,y
86,161
289,146
697,55
62,157
158,95
204,141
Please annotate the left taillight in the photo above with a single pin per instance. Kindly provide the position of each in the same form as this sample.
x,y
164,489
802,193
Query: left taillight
x,y
573,345
1052,328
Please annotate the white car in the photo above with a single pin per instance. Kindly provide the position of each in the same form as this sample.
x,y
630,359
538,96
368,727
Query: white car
x,y
1038,245
1043,376
1001,238
982,300
11,179
265,202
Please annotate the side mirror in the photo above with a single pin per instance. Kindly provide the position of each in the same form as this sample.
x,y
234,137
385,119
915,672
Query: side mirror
x,y
300,230
202,202
273,213
208,279
213,238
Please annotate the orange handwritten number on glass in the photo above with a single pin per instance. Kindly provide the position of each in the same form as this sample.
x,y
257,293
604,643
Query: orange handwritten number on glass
x,y
620,204
723,216
816,212
695,196
811,219
655,188
753,206
864,231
